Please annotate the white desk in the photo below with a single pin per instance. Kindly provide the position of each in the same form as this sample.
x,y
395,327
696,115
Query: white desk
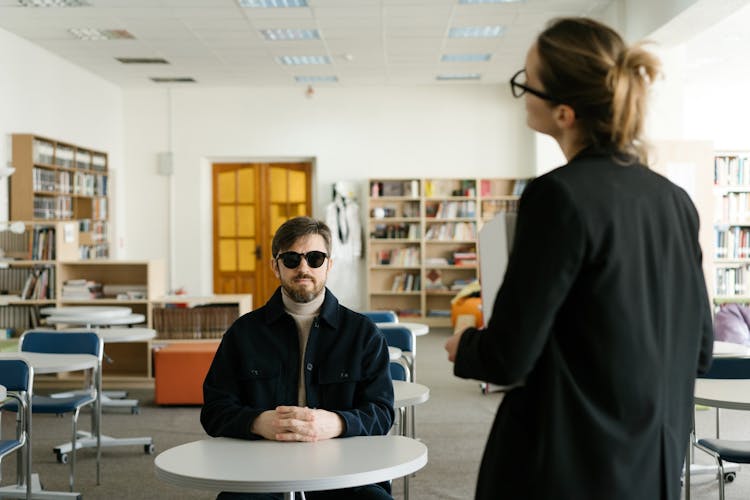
x,y
409,394
89,321
89,311
418,329
50,363
223,464
730,350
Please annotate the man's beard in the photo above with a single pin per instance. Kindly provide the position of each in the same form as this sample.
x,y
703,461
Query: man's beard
x,y
301,295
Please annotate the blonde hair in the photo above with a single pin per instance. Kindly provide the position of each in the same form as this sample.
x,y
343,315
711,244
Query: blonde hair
x,y
587,65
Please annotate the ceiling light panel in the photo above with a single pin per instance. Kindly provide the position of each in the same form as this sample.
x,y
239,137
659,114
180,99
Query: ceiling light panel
x,y
178,79
488,1
278,34
53,3
465,57
464,76
302,60
100,34
316,79
477,32
142,60
253,4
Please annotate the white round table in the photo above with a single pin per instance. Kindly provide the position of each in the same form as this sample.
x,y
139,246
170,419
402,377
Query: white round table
x,y
89,321
54,363
394,353
409,393
418,329
730,350
224,464
88,311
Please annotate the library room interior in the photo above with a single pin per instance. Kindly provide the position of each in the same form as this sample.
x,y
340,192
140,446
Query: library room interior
x,y
152,150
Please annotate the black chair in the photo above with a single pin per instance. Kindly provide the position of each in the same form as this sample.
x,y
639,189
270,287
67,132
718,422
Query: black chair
x,y
16,376
726,450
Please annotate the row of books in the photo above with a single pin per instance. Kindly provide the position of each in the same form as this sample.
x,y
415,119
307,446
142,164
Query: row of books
x,y
734,207
406,282
451,209
731,170
58,207
492,207
90,184
47,180
193,323
46,153
434,282
39,284
408,256
18,319
732,281
81,289
396,231
25,283
460,231
732,243
98,251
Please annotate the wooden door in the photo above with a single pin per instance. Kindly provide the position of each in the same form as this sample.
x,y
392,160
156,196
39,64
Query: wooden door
x,y
250,202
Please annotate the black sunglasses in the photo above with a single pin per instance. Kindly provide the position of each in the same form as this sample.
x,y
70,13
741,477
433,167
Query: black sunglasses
x,y
292,260
518,89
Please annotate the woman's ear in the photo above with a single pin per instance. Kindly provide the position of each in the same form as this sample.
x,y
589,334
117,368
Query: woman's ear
x,y
565,116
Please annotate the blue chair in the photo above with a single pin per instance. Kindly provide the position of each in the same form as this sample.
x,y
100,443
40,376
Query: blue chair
x,y
17,378
70,343
381,316
404,339
726,450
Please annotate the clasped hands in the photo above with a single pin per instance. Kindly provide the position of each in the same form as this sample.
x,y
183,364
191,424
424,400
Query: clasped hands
x,y
296,423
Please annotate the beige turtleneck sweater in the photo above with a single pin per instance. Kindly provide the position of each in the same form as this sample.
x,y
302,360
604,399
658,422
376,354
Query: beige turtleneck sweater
x,y
304,315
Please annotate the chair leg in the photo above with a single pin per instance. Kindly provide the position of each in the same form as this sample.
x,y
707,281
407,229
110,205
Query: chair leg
x,y
74,445
721,478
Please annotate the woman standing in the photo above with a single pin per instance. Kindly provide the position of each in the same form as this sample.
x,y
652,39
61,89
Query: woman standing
x,y
603,312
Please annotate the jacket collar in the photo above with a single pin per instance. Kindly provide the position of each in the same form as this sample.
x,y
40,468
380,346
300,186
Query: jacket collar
x,y
274,308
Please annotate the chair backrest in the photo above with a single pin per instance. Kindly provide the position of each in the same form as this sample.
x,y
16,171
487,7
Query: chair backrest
x,y
16,375
399,336
729,368
381,316
62,343
397,371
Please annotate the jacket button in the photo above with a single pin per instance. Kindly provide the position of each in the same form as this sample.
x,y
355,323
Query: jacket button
x,y
309,367
253,372
344,375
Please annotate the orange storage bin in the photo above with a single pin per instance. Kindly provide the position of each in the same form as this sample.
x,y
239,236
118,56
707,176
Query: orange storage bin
x,y
179,371
469,305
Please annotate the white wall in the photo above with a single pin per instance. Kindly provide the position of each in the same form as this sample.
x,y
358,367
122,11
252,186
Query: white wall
x,y
43,94
352,134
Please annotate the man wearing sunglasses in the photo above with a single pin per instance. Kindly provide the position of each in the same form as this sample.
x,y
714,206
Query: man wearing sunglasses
x,y
302,367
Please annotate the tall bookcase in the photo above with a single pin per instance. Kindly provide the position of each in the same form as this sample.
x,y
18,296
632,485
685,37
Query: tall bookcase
x,y
731,227
422,240
59,181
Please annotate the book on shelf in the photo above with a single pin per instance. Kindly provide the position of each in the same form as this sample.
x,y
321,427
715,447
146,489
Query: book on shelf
x,y
81,289
434,280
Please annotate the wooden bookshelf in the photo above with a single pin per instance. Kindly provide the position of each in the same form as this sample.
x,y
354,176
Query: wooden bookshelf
x,y
422,240
731,252
59,181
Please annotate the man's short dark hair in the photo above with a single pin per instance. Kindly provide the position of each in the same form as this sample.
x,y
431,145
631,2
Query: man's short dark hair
x,y
293,229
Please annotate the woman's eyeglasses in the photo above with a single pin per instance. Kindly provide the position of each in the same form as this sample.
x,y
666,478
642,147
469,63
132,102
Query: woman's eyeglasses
x,y
520,88
292,260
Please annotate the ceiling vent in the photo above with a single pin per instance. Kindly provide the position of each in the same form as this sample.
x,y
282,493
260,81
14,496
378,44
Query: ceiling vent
x,y
142,60
179,79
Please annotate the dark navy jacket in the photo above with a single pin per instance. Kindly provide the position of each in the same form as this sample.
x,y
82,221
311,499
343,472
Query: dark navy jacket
x,y
604,312
256,368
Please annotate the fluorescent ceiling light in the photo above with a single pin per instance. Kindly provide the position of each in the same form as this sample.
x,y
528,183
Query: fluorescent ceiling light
x,y
177,79
100,34
465,57
467,76
489,1
299,60
53,3
316,79
290,34
142,60
477,32
272,3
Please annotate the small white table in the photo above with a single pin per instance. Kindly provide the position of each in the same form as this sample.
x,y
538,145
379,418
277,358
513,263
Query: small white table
x,y
50,363
223,464
89,321
730,350
88,311
418,329
409,393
